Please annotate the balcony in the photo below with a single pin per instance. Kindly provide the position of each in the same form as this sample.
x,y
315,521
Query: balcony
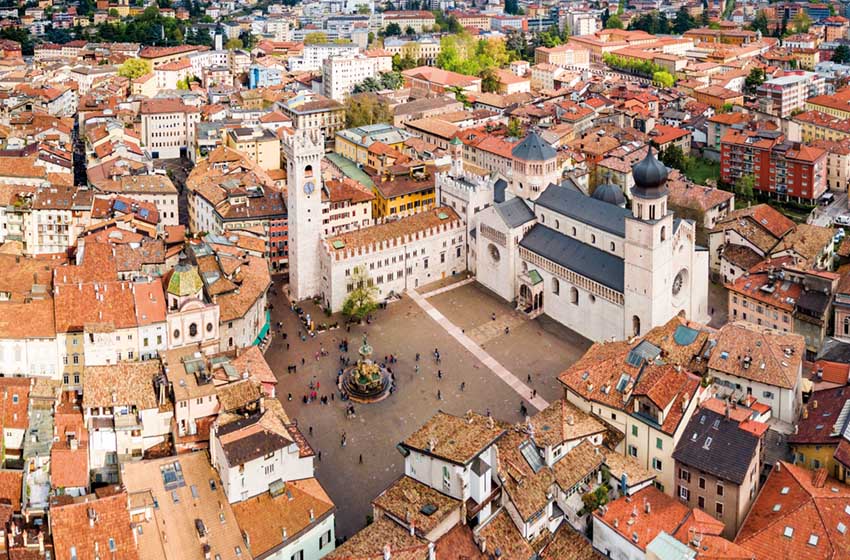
x,y
473,509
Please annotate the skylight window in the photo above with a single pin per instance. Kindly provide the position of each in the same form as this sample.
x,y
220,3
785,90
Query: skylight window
x,y
788,532
707,444
842,528
777,507
813,540
784,490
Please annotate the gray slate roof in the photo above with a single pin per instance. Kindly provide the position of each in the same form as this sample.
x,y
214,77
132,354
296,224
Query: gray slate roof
x,y
514,212
729,452
534,148
590,262
595,213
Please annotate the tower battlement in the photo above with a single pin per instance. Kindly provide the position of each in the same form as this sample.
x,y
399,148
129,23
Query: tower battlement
x,y
304,142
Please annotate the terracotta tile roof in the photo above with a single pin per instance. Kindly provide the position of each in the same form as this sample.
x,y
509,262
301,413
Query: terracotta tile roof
x,y
11,488
405,498
441,77
173,525
775,357
818,425
348,190
751,286
601,366
686,194
130,383
741,256
808,505
253,361
457,439
459,542
619,465
247,438
501,532
665,514
71,526
14,403
103,303
562,422
568,544
69,468
39,323
417,224
239,394
527,490
371,542
265,518
806,240
579,462
252,280
161,106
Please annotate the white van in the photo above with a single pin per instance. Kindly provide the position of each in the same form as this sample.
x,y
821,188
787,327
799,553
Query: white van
x,y
842,220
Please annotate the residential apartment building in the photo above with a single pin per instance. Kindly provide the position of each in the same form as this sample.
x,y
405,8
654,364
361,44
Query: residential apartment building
x,y
762,363
424,50
314,112
341,74
419,21
718,463
168,127
313,56
346,205
257,144
821,439
158,190
783,96
780,168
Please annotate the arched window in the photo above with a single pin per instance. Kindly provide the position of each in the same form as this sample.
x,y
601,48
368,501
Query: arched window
x,y
193,330
308,171
542,218
557,224
556,286
651,211
575,232
635,325
663,233
593,238
847,325
574,296
613,246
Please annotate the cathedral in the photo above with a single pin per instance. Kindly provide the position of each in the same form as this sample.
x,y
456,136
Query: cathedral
x,y
602,270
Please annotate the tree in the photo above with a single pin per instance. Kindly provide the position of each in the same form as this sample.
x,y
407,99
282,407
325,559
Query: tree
x,y
248,39
362,300
726,108
233,44
760,23
132,68
744,186
363,9
114,12
754,80
410,32
511,7
19,35
514,128
489,81
802,21
393,29
674,157
614,22
841,54
684,21
316,38
366,108
663,78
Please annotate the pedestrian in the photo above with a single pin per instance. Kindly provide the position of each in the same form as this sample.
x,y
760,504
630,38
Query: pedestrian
x,y
361,458
439,395
534,393
287,346
439,374
320,456
417,356
302,361
488,412
529,378
311,430
507,330
462,386
318,385
304,399
416,367
493,316
289,397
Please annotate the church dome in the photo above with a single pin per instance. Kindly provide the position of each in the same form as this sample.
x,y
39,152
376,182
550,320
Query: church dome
x,y
650,177
534,148
612,194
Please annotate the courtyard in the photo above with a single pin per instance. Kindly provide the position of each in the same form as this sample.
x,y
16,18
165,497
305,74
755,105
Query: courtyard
x,y
540,348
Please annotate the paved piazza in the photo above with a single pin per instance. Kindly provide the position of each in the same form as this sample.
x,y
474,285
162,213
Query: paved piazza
x,y
540,348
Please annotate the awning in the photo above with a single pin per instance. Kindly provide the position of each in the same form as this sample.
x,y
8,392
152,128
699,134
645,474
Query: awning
x,y
265,330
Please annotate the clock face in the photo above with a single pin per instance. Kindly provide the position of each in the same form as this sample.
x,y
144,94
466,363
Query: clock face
x,y
309,187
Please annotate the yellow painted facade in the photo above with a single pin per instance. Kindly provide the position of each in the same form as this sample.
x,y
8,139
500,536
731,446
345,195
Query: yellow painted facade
x,y
403,205
819,456
265,151
357,152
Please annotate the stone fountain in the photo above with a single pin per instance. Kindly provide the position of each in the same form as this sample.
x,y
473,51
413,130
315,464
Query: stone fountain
x,y
366,381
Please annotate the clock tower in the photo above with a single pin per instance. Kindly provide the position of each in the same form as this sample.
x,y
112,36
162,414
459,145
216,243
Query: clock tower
x,y
304,151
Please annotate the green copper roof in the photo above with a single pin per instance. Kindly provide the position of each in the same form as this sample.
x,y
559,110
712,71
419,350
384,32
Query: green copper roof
x,y
455,141
185,281
535,277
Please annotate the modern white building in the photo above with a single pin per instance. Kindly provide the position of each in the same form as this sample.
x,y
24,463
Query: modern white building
x,y
341,73
168,127
313,56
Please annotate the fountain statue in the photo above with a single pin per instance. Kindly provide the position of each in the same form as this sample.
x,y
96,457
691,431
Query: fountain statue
x,y
366,381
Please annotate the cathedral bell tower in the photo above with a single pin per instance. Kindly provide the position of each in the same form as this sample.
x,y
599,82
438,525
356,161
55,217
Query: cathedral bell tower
x,y
304,151
648,249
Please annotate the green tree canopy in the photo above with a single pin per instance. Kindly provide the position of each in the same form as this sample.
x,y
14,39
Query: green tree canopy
x,y
684,21
761,23
393,29
362,300
233,44
754,79
614,22
366,108
132,68
316,38
841,54
663,78
744,186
